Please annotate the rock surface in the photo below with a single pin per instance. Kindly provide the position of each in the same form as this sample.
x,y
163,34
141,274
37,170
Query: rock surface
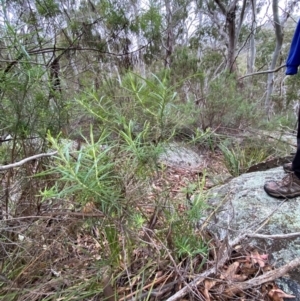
x,y
176,155
243,206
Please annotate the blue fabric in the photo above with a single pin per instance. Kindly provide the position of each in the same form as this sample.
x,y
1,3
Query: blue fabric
x,y
292,64
293,60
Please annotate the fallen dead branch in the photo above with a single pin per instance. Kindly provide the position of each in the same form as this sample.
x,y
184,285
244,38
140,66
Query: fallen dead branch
x,y
59,213
244,285
267,277
154,293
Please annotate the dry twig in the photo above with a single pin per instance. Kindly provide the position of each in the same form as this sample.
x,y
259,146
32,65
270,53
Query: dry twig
x,y
267,277
239,286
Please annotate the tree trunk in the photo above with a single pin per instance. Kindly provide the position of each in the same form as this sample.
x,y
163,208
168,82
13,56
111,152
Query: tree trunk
x,y
232,30
279,40
170,35
252,46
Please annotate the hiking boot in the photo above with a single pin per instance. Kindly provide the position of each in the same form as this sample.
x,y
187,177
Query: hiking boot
x,y
288,187
288,167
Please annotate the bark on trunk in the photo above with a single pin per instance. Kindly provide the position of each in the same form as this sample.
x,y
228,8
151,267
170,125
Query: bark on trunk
x,y
279,39
170,35
252,46
232,30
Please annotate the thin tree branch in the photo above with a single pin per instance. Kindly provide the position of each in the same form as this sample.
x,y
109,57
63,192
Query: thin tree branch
x,y
64,214
79,48
274,236
221,6
263,72
20,163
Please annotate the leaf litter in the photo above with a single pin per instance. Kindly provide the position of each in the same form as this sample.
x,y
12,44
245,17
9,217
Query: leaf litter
x,y
70,254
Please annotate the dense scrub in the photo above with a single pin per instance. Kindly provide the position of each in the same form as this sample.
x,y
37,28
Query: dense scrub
x,y
108,89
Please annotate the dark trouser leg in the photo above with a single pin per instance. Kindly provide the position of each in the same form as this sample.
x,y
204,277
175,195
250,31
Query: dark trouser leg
x,y
296,161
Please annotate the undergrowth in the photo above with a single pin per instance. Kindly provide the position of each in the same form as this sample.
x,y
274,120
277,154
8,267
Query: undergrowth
x,y
110,223
240,156
108,220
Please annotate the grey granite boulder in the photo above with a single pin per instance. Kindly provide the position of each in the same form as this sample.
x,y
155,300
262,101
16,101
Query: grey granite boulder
x,y
243,206
179,156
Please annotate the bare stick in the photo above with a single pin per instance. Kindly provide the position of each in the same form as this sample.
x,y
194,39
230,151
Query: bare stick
x,y
274,236
62,213
263,72
267,277
17,164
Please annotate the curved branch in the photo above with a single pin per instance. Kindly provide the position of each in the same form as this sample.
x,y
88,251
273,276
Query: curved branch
x,y
79,48
262,72
221,6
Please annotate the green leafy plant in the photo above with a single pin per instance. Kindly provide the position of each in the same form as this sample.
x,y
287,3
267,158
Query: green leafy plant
x,y
238,158
183,238
226,106
89,174
189,246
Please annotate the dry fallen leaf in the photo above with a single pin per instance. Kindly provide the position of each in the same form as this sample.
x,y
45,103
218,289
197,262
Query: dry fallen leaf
x,y
259,258
239,278
208,284
229,274
89,207
277,294
248,269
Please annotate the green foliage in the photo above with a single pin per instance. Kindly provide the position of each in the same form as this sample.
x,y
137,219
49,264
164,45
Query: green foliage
x,y
227,106
150,22
265,47
112,176
211,60
114,171
184,63
189,246
187,243
91,176
47,8
284,122
239,157
292,90
138,103
27,109
117,20
232,159
25,104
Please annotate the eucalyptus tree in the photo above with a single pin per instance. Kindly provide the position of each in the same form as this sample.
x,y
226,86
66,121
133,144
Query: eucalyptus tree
x,y
227,18
278,23
176,31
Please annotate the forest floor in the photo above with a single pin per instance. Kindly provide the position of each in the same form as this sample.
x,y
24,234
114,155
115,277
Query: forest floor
x,y
61,253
